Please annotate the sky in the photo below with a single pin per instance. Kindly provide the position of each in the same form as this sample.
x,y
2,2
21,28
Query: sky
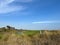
x,y
30,14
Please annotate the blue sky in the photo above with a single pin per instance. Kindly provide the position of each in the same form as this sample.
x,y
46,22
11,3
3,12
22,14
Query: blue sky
x,y
30,14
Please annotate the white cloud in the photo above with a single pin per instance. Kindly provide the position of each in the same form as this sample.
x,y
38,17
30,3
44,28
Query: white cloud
x,y
24,0
6,8
5,2
46,22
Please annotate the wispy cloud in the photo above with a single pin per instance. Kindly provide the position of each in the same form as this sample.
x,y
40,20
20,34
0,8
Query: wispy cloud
x,y
24,0
5,6
46,22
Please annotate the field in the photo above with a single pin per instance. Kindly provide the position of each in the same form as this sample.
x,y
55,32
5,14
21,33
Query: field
x,y
29,37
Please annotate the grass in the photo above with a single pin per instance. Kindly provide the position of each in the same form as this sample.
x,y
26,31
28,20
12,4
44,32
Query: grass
x,y
28,36
31,32
1,35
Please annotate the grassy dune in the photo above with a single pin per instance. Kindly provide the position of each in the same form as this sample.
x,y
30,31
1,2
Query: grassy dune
x,y
29,37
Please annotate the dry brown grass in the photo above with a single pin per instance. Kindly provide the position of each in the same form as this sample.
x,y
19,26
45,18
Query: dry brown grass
x,y
12,37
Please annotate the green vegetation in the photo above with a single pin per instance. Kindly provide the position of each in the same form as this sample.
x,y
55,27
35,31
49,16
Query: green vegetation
x,y
1,35
33,32
12,36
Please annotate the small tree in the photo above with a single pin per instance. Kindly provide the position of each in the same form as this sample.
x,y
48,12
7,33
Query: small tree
x,y
8,27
